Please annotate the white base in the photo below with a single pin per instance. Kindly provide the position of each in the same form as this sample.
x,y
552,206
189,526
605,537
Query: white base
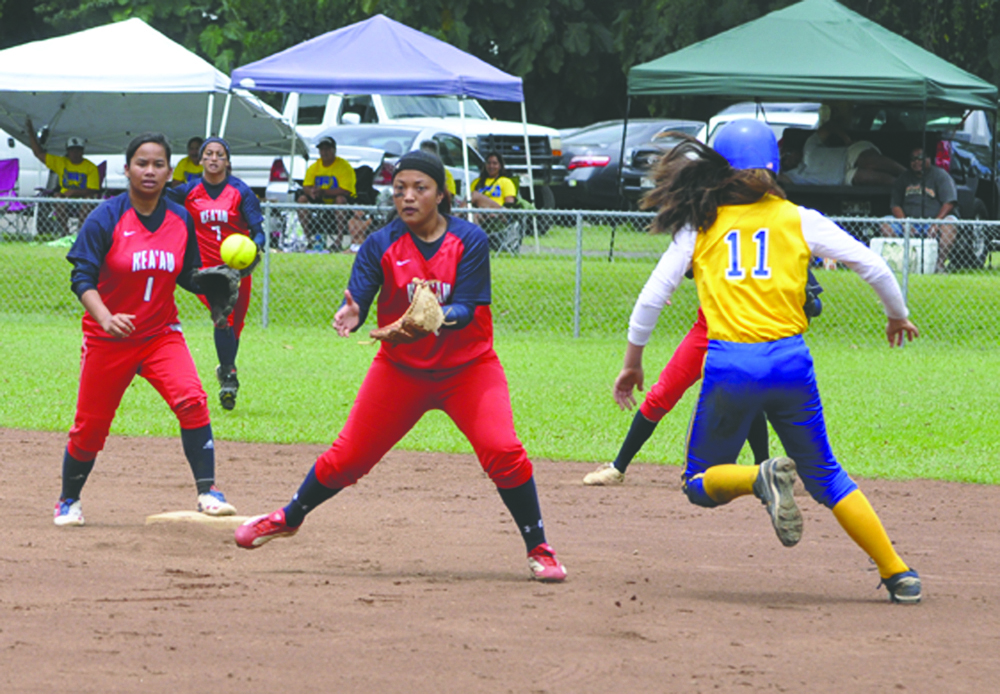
x,y
195,517
923,254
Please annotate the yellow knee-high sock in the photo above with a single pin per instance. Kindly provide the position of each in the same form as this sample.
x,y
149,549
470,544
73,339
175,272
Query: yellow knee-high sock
x,y
723,483
857,517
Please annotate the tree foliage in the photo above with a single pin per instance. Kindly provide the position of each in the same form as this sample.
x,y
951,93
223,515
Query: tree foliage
x,y
574,55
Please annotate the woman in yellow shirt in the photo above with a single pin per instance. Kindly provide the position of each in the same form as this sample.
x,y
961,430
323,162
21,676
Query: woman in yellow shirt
x,y
494,188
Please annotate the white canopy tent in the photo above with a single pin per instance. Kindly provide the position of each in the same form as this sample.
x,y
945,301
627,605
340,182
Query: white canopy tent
x,y
88,84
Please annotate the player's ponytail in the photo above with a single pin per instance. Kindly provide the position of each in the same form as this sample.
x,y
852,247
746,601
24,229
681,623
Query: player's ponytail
x,y
693,180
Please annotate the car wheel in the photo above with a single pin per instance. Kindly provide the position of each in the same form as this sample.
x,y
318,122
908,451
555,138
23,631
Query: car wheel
x,y
969,249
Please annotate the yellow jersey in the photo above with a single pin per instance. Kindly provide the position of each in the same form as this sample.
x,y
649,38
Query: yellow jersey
x,y
77,176
339,174
186,170
751,270
499,189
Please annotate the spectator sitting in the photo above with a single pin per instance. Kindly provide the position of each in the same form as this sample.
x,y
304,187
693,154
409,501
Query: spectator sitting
x,y
190,166
329,181
494,187
830,154
924,191
78,177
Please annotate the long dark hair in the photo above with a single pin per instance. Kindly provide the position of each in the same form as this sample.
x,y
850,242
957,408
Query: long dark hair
x,y
694,180
482,172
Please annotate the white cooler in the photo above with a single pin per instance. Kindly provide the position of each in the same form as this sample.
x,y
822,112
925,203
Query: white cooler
x,y
923,254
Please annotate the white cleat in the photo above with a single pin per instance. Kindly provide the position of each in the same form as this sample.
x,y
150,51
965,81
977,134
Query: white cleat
x,y
213,503
69,512
604,476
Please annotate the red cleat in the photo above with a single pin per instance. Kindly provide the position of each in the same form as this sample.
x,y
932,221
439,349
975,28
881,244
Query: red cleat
x,y
260,529
544,565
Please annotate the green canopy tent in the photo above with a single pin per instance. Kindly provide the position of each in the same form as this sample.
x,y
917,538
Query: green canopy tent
x,y
815,50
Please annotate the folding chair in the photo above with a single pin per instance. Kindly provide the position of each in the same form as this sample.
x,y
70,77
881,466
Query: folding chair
x,y
9,171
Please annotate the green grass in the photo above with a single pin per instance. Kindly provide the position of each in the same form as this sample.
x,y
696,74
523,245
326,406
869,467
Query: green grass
x,y
916,412
921,411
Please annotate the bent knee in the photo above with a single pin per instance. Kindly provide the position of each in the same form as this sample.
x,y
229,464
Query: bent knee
x,y
192,413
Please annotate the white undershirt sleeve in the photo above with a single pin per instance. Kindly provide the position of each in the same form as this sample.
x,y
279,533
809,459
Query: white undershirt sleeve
x,y
827,240
660,286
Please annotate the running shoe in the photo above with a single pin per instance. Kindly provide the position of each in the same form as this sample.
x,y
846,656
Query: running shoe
x,y
229,386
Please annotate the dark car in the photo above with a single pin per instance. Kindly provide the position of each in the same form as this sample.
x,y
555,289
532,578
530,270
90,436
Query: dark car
x,y
591,157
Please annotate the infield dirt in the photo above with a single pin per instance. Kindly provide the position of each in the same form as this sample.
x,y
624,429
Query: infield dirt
x,y
416,581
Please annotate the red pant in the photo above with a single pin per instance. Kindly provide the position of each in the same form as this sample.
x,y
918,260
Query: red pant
x,y
681,372
108,366
238,317
392,400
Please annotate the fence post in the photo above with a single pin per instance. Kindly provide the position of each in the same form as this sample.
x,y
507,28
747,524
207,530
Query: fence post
x,y
265,305
578,285
906,260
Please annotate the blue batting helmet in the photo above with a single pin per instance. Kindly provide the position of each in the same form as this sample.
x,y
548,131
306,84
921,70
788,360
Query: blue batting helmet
x,y
748,144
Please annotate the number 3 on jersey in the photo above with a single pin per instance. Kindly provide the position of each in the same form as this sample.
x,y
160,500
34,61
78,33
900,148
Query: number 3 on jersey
x,y
761,269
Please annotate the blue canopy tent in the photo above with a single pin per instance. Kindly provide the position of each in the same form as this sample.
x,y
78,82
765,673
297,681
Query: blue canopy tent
x,y
382,56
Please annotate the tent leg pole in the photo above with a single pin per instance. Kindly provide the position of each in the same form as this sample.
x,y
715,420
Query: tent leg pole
x,y
225,114
531,178
209,113
467,184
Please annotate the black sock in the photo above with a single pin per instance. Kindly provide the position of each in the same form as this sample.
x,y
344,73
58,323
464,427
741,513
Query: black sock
x,y
522,502
638,434
199,448
226,346
757,438
311,494
74,475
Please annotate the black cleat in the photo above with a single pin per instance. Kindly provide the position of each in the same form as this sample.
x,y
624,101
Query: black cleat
x,y
229,386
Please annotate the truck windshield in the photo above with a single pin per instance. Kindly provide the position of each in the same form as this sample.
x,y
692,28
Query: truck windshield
x,y
430,107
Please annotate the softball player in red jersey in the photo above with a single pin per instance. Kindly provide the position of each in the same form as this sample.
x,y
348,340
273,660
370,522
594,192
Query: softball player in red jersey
x,y
749,250
456,371
681,372
130,254
222,205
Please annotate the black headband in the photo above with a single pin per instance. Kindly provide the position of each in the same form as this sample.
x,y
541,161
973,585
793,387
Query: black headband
x,y
206,143
424,163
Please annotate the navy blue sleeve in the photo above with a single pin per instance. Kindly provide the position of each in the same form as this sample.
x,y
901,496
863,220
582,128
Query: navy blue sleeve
x,y
192,258
472,278
366,274
179,193
250,207
92,244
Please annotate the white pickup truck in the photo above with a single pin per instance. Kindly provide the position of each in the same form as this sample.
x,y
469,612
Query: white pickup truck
x,y
313,113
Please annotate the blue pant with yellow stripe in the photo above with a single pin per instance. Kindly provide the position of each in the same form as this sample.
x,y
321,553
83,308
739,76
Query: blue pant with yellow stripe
x,y
777,377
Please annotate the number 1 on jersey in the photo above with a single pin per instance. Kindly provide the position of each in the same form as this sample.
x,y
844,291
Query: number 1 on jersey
x,y
762,269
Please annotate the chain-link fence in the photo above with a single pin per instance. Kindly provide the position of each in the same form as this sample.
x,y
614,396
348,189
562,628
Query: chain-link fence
x,y
554,271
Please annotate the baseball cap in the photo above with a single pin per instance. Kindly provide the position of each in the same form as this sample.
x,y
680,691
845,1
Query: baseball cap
x,y
327,141
75,142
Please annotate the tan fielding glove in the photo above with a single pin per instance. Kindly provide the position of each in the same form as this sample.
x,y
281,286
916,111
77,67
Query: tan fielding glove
x,y
423,317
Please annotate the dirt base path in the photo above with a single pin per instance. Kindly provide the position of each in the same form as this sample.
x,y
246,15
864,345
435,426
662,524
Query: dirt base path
x,y
415,581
